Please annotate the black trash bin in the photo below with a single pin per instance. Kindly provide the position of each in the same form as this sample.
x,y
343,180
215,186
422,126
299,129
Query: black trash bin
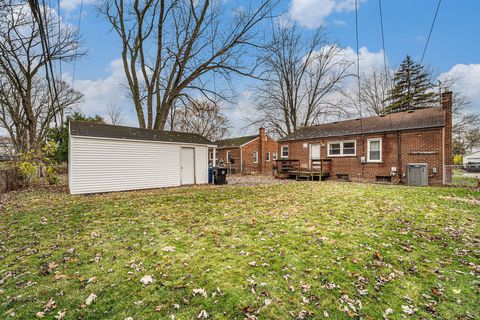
x,y
219,175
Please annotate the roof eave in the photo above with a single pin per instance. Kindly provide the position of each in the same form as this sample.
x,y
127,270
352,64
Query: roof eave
x,y
356,134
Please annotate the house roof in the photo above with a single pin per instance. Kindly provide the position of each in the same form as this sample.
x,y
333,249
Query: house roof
x,y
408,120
473,153
235,142
88,129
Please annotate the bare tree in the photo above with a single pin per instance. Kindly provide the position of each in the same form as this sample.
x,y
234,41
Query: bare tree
x,y
374,88
27,105
302,74
171,48
466,122
372,100
114,114
203,117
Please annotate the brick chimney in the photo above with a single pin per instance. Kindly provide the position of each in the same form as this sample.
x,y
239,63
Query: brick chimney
x,y
261,149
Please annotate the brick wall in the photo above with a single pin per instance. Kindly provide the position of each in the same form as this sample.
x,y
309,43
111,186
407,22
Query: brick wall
x,y
261,145
398,149
267,145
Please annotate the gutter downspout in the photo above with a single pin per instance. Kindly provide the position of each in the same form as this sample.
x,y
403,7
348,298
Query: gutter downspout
x,y
241,160
399,157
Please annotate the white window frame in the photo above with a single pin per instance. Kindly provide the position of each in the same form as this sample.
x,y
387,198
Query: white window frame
x,y
255,156
267,157
228,156
281,152
274,155
341,148
368,149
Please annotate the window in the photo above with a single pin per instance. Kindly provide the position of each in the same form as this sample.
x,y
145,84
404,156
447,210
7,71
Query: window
x,y
267,157
341,148
229,157
343,177
211,155
374,150
383,179
274,156
255,157
284,151
349,148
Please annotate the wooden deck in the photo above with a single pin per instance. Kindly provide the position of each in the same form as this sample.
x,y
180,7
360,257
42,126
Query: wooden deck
x,y
319,169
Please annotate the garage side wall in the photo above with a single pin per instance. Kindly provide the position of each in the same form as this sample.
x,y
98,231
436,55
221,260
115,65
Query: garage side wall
x,y
103,165
201,165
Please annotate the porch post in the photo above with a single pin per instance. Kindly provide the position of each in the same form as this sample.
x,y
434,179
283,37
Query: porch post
x,y
214,159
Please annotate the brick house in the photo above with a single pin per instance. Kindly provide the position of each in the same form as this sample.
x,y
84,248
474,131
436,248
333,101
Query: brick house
x,y
248,154
383,148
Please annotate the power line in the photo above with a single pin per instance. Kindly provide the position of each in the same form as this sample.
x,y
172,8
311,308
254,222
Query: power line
x,y
431,30
49,61
358,57
383,40
387,78
358,82
43,32
76,48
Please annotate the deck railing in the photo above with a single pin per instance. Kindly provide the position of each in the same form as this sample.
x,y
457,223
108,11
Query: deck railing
x,y
319,168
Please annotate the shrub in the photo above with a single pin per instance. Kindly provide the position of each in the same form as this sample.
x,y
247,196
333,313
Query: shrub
x,y
38,163
458,160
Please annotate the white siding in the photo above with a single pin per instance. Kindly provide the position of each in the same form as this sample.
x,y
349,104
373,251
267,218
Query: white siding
x,y
201,164
103,165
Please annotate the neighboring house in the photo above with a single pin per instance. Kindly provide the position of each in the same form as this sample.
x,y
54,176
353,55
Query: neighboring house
x,y
103,158
7,151
410,147
471,161
255,154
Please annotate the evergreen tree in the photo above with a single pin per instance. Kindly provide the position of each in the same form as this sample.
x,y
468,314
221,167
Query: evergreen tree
x,y
61,135
412,88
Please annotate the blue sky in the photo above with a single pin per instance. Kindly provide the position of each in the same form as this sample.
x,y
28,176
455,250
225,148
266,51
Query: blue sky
x,y
454,47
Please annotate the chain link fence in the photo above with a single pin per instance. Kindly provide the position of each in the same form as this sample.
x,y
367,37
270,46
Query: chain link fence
x,y
463,176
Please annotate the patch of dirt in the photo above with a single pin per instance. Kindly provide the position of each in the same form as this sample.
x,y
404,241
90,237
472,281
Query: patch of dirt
x,y
471,201
254,180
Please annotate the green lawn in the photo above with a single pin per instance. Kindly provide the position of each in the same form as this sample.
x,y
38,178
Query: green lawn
x,y
287,251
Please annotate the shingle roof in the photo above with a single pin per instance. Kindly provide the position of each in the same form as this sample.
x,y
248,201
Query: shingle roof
x,y
235,142
418,119
88,129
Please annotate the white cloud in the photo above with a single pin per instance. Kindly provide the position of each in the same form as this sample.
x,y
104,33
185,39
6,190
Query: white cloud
x,y
239,112
101,92
312,13
72,5
468,81
369,61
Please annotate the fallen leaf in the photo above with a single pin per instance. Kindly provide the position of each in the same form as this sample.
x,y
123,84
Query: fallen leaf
x,y
91,299
202,315
60,315
50,305
200,291
408,309
168,249
146,280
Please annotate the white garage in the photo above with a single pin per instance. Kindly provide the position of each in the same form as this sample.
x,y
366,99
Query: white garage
x,y
103,158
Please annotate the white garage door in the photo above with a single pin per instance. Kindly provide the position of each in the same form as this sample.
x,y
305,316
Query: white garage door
x,y
188,165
